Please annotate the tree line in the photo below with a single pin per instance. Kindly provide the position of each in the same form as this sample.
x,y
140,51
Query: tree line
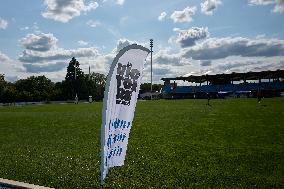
x,y
40,88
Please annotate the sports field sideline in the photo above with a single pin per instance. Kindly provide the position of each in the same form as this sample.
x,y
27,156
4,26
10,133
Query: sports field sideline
x,y
235,143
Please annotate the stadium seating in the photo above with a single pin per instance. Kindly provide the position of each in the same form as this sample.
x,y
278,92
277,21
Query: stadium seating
x,y
225,88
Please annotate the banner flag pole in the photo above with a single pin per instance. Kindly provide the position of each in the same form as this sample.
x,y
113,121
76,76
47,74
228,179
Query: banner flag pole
x,y
120,97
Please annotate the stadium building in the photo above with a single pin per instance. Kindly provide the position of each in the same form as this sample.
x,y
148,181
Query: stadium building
x,y
270,83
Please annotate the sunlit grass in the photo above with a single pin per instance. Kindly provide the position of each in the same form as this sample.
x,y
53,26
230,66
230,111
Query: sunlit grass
x,y
173,144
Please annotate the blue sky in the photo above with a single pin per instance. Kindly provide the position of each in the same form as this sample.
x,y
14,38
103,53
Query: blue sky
x,y
39,37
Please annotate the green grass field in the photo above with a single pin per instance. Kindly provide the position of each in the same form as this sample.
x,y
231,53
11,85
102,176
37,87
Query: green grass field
x,y
234,143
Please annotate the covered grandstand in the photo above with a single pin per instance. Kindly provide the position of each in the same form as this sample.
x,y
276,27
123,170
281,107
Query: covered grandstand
x,y
270,83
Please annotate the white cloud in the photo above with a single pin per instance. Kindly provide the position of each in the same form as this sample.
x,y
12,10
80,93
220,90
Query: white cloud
x,y
208,6
91,6
4,57
49,67
235,64
100,63
213,55
279,7
278,4
3,24
39,42
187,38
82,43
123,20
93,23
53,61
24,28
121,43
64,10
120,2
162,16
11,68
262,2
218,55
41,53
184,15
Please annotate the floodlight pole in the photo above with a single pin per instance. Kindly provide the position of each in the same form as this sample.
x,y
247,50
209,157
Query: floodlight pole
x,y
151,46
89,72
76,97
75,71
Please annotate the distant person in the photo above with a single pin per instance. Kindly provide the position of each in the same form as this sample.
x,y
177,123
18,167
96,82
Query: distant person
x,y
258,95
208,99
76,99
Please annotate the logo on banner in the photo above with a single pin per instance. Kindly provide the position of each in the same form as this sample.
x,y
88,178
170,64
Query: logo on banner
x,y
126,83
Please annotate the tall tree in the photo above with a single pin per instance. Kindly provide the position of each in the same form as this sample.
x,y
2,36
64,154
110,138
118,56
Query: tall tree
x,y
70,75
74,81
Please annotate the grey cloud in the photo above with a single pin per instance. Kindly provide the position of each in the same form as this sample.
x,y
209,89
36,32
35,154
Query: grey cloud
x,y
185,15
162,71
230,66
158,73
205,63
243,64
187,38
263,65
217,48
39,42
64,10
57,54
208,6
32,68
164,57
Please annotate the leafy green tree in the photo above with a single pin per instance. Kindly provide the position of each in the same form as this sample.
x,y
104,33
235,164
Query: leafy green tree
x,y
35,88
58,91
96,85
9,94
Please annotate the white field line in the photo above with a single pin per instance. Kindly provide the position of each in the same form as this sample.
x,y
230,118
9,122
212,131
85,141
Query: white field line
x,y
12,183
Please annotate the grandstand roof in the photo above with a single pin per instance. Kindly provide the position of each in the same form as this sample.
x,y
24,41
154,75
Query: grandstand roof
x,y
232,76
